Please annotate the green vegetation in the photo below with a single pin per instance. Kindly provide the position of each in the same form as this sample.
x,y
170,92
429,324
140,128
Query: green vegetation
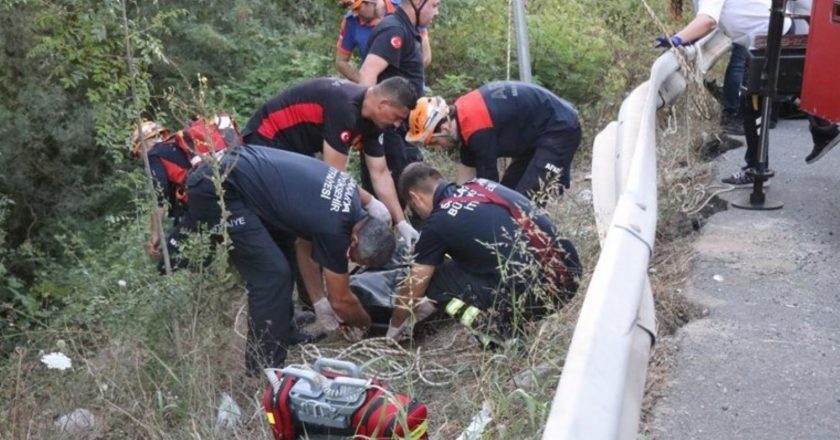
x,y
152,355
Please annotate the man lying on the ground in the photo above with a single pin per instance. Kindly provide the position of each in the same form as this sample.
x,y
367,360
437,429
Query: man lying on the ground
x,y
505,257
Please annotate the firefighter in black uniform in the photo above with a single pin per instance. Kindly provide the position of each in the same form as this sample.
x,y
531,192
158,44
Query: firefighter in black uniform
x,y
272,194
331,116
395,49
500,249
169,165
525,122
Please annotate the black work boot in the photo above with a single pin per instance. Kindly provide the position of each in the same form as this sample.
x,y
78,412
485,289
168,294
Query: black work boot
x,y
825,138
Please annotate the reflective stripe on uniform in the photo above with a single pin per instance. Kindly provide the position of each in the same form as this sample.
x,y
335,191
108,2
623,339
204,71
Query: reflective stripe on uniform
x,y
454,306
469,316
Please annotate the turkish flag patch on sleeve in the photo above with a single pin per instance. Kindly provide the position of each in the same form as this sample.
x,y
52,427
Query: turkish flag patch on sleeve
x,y
345,136
396,42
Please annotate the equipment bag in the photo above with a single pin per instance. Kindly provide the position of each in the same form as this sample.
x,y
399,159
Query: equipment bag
x,y
208,136
331,401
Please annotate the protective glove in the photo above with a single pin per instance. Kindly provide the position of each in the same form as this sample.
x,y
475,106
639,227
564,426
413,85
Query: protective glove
x,y
399,332
424,308
674,41
378,210
352,334
407,232
325,315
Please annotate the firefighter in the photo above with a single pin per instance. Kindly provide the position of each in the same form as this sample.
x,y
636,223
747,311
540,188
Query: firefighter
x,y
331,116
525,122
395,49
356,26
273,194
492,234
169,165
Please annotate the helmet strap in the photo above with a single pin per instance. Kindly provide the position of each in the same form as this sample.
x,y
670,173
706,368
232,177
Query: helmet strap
x,y
453,115
417,11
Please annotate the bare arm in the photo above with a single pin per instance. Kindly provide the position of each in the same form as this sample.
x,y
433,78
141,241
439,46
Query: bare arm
x,y
465,173
344,302
153,246
310,270
427,50
698,28
383,185
345,67
334,158
364,196
411,292
371,68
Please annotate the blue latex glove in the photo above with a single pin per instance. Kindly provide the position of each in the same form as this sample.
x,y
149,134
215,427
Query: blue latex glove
x,y
675,41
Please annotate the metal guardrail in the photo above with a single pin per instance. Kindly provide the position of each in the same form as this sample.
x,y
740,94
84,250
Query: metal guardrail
x,y
602,385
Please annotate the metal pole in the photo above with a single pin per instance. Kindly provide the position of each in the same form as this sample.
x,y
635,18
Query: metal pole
x,y
770,75
523,53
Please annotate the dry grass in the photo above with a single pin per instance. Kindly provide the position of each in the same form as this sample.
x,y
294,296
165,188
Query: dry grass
x,y
171,388
143,392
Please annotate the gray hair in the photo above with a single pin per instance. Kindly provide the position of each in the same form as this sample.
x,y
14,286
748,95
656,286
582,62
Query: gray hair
x,y
376,242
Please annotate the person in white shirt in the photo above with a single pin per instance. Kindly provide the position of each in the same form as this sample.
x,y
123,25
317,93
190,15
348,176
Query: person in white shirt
x,y
742,21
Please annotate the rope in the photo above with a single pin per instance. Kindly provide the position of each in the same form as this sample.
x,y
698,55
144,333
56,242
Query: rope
x,y
688,70
673,126
695,197
386,359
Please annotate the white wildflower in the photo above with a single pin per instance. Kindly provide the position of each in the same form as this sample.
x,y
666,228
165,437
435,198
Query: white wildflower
x,y
56,361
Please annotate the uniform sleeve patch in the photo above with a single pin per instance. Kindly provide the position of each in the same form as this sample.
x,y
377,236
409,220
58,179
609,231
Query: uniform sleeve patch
x,y
396,42
345,136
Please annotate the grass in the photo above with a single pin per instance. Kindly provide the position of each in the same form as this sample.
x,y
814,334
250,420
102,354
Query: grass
x,y
165,378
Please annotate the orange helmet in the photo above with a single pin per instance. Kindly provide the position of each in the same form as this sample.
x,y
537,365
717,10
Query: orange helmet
x,y
149,129
352,4
424,119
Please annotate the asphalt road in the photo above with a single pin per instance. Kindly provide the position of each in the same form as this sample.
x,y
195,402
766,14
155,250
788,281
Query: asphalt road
x,y
765,362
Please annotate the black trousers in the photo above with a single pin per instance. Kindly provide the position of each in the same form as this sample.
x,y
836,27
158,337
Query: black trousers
x,y
524,173
504,305
181,227
752,120
261,263
398,155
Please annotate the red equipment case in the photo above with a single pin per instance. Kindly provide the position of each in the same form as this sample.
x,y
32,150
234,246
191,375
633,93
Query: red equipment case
x,y
821,81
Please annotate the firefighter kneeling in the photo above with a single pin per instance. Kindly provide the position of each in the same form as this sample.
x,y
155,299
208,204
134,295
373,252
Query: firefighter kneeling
x,y
507,266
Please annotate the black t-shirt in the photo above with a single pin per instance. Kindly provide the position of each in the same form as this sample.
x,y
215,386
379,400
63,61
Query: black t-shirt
x,y
509,119
397,41
302,117
170,166
300,195
476,235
